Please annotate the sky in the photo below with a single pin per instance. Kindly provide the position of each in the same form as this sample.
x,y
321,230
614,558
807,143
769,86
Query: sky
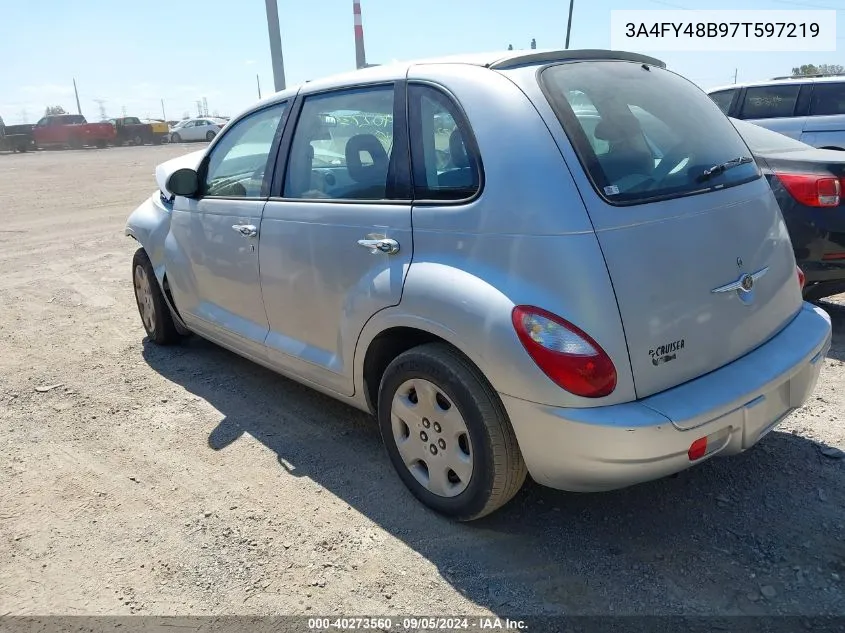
x,y
132,54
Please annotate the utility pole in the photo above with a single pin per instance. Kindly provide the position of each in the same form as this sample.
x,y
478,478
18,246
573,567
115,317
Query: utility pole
x,y
736,71
533,44
569,23
204,107
199,108
275,44
76,92
123,110
258,83
102,104
163,115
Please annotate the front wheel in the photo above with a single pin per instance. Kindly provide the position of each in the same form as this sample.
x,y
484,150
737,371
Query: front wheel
x,y
175,138
154,311
209,136
448,434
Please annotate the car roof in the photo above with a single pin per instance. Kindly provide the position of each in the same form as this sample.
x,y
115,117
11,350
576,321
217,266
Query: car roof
x,y
781,82
495,60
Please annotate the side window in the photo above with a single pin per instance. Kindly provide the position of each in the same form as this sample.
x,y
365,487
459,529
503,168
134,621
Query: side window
x,y
237,164
769,102
724,99
42,122
342,146
443,151
828,99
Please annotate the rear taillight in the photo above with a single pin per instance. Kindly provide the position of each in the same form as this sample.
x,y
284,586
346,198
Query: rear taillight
x,y
812,190
802,278
566,354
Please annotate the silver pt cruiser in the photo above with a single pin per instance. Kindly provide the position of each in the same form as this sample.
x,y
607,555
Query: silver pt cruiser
x,y
562,263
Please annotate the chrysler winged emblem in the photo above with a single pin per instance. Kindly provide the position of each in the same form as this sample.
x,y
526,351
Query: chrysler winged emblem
x,y
744,284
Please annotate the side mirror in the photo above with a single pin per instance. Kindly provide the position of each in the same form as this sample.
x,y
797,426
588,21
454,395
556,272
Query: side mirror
x,y
183,182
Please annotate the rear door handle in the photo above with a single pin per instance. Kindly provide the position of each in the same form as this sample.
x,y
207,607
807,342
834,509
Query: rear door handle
x,y
385,245
247,230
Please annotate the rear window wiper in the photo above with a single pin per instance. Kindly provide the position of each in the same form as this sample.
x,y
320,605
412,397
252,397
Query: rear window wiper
x,y
715,170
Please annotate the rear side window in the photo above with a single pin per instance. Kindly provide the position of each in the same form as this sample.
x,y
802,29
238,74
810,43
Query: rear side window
x,y
828,99
724,99
770,102
644,133
443,152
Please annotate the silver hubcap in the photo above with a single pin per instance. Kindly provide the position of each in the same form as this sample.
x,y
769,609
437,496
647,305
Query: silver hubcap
x,y
432,437
144,296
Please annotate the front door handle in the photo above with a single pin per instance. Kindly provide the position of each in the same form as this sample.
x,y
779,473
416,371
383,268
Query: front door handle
x,y
384,245
247,230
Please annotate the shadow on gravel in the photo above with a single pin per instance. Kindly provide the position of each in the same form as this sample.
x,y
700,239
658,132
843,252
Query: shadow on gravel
x,y
759,533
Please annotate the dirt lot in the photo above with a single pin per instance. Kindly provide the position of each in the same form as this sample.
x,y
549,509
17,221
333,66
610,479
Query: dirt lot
x,y
187,480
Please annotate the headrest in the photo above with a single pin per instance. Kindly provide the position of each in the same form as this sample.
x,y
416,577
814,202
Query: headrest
x,y
458,150
376,167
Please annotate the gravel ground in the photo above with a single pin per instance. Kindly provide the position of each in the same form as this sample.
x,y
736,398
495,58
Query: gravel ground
x,y
186,480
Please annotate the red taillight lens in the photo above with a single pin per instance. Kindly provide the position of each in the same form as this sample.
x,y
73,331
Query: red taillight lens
x,y
802,278
813,190
566,354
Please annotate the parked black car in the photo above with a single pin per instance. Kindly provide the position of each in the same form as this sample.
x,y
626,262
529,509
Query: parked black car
x,y
809,185
16,138
130,129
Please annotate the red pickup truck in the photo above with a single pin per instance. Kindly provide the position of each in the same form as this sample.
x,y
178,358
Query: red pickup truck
x,y
71,130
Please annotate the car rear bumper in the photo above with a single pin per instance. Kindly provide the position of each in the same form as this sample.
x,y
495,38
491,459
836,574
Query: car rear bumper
x,y
603,448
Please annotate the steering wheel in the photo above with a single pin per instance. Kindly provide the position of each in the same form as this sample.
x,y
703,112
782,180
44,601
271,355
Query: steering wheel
x,y
670,160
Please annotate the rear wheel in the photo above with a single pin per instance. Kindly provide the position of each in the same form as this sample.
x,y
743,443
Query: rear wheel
x,y
209,136
138,140
447,433
154,311
101,144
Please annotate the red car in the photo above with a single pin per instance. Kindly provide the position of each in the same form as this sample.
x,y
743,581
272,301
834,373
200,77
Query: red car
x,y
73,131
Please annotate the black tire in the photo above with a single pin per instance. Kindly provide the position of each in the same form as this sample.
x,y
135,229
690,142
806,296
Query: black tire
x,y
175,138
209,136
162,329
138,140
498,470
157,140
102,144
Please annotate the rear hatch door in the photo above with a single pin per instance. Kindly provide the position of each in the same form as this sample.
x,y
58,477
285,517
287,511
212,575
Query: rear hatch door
x,y
693,239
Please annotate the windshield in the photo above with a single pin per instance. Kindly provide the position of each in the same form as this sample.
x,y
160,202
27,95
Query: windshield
x,y
643,133
760,140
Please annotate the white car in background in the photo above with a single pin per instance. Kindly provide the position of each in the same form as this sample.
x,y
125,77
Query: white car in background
x,y
201,129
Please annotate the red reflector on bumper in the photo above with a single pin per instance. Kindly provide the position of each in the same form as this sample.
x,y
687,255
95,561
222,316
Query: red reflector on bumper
x,y
833,256
697,449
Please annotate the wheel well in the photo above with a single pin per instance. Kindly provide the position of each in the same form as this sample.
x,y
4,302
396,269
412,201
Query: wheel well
x,y
383,349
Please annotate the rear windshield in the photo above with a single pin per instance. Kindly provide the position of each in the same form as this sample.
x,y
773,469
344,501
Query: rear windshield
x,y
643,133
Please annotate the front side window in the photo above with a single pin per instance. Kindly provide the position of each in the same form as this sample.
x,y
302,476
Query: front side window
x,y
724,99
237,164
770,102
443,153
644,133
342,146
828,99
